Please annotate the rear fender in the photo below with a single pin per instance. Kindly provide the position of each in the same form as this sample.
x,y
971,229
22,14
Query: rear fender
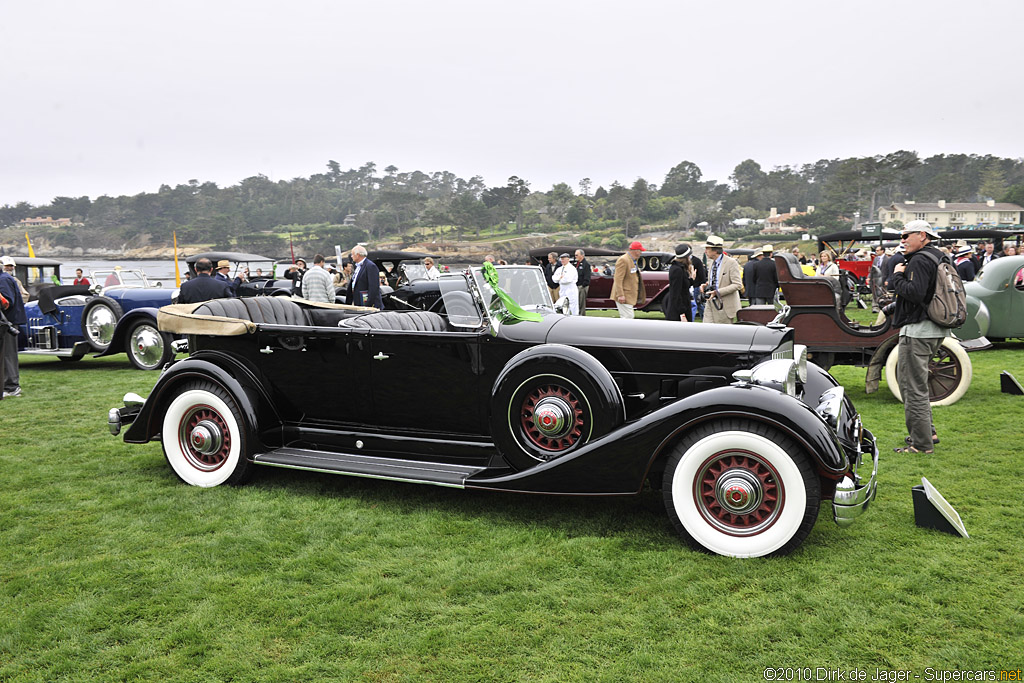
x,y
978,320
237,379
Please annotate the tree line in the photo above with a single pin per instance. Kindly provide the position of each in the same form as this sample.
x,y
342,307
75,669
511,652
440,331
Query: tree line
x,y
390,204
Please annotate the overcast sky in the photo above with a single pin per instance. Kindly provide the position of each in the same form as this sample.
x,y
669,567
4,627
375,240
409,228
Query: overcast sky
x,y
118,97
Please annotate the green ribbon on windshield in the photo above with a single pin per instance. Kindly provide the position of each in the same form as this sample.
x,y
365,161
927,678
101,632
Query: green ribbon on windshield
x,y
514,310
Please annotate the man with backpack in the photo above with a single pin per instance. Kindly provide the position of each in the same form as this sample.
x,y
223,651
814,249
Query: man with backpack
x,y
920,337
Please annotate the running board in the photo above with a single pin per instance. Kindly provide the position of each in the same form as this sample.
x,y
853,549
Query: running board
x,y
413,471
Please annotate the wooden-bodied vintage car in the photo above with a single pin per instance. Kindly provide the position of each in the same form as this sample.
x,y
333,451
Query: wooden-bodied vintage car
x,y
744,438
816,310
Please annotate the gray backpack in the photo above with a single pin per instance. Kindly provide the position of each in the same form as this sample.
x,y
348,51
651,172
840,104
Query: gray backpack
x,y
948,307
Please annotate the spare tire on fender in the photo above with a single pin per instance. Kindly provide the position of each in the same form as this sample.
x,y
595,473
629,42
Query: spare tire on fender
x,y
549,401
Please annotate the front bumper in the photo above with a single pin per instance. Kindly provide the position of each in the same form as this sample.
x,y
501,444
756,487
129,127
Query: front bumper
x,y
118,417
855,492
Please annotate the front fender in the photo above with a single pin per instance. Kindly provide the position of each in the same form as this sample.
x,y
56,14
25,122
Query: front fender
x,y
618,462
239,381
117,342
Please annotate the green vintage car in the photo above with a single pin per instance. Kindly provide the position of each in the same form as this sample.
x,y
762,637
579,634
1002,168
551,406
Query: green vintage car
x,y
995,302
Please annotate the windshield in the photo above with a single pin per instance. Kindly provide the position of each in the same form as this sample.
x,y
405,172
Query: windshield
x,y
120,278
459,304
414,271
525,284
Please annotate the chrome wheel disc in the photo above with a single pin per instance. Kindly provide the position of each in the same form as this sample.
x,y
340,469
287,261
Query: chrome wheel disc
x,y
99,325
146,346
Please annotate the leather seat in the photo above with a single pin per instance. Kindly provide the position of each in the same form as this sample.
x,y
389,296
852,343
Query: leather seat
x,y
814,281
271,310
412,321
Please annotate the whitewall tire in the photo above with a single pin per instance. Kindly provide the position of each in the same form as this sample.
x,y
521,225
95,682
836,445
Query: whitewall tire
x,y
203,438
949,373
741,489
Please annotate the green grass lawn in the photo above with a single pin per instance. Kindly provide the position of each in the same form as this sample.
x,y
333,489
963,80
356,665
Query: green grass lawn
x,y
112,570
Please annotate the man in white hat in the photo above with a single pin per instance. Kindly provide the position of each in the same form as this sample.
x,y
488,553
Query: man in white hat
x,y
920,338
722,289
566,276
964,263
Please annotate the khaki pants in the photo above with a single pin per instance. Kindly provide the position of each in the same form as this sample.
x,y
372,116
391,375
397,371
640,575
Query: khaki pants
x,y
583,298
912,375
625,310
713,315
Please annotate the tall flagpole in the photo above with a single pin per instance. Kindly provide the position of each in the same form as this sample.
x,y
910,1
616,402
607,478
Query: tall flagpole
x,y
177,270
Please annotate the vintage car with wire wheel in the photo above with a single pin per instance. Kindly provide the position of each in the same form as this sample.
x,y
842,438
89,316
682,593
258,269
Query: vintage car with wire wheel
x,y
744,438
118,316
816,312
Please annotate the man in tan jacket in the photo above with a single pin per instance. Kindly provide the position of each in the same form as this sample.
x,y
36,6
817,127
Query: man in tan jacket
x,y
628,283
722,289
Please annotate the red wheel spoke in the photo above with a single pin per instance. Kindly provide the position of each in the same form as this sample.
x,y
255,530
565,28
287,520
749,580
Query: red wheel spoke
x,y
738,493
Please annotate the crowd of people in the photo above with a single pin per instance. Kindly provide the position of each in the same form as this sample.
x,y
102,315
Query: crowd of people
x,y
707,286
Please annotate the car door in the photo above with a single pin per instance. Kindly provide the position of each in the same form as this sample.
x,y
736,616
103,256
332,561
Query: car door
x,y
320,372
427,381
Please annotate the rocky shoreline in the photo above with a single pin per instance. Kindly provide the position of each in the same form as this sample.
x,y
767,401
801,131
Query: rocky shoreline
x,y
513,249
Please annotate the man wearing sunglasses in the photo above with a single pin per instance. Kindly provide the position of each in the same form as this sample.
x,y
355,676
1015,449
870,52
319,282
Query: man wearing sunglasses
x,y
914,283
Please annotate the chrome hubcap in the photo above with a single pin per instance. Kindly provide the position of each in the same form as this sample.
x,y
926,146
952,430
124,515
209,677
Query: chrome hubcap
x,y
738,491
101,324
206,438
147,346
552,417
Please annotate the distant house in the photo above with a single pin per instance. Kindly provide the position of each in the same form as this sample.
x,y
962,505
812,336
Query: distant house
x,y
943,214
775,224
350,219
44,221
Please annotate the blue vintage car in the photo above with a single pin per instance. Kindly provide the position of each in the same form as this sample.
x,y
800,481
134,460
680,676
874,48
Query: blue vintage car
x,y
115,314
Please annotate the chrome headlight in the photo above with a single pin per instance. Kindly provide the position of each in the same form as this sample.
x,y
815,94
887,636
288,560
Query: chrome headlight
x,y
800,356
778,373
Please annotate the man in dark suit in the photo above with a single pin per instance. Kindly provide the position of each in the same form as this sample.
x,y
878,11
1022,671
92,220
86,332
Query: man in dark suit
x,y
748,276
582,279
364,288
204,286
766,278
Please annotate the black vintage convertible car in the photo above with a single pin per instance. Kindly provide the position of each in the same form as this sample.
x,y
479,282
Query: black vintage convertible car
x,y
744,438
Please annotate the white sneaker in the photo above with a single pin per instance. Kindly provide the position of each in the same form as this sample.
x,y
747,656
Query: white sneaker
x,y
12,394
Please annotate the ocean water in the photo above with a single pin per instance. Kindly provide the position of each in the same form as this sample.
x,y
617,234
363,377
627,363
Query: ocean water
x,y
154,270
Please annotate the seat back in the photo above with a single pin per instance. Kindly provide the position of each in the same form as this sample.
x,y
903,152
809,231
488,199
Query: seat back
x,y
805,290
412,321
270,310
788,267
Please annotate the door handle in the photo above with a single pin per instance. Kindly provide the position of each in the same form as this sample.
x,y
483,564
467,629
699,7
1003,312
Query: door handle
x,y
267,349
381,356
